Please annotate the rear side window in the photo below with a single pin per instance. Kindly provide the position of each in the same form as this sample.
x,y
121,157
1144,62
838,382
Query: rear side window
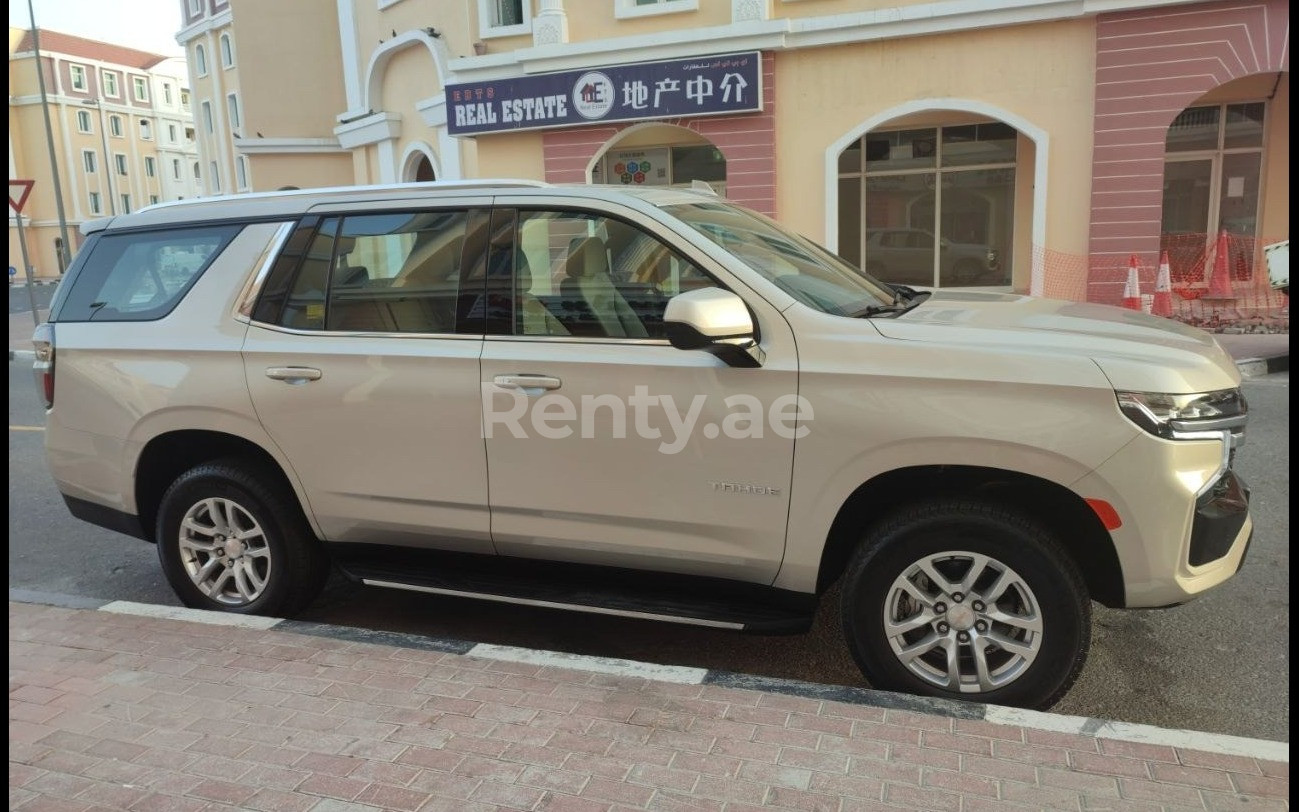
x,y
141,276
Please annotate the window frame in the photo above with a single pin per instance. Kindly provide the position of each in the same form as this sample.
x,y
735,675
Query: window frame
x,y
200,60
488,31
233,114
120,164
106,78
863,174
150,167
74,71
95,202
629,9
493,328
209,126
90,162
115,128
226,47
89,129
140,88
286,268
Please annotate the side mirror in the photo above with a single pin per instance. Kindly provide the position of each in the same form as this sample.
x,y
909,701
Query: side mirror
x,y
715,321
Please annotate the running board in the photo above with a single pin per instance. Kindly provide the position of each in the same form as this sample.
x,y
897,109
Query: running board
x,y
580,588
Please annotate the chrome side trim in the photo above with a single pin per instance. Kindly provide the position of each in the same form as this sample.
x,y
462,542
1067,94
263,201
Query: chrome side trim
x,y
655,342
253,285
355,334
573,607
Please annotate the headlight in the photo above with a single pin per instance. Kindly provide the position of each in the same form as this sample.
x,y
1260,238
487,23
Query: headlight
x,y
1187,417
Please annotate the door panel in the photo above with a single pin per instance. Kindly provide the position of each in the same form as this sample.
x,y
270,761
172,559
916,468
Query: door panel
x,y
605,444
385,439
605,493
367,373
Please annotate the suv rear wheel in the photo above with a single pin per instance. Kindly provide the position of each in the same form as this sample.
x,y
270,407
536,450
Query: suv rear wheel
x,y
231,538
966,600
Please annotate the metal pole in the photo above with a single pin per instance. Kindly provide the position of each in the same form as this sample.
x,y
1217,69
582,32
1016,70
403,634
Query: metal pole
x,y
109,166
27,267
65,251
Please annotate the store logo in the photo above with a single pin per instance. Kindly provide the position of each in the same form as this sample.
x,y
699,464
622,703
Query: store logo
x,y
593,95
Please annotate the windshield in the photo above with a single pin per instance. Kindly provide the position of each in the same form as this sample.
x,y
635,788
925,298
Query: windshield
x,y
795,264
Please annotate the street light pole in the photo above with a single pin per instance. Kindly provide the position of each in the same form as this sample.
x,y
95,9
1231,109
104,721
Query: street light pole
x,y
108,167
65,250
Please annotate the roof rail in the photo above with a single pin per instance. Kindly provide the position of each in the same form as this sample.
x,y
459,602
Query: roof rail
x,y
473,183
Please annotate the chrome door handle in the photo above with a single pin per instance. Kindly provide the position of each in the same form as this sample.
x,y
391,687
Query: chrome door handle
x,y
527,382
293,375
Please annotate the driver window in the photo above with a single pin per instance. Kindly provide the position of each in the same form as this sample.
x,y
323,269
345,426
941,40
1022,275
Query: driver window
x,y
581,274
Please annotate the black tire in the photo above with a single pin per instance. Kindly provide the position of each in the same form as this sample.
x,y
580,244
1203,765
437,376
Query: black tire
x,y
937,527
296,563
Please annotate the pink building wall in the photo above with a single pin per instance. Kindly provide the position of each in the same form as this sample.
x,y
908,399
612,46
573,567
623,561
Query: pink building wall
x,y
747,141
1151,65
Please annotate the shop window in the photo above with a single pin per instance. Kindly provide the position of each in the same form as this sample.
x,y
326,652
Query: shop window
x,y
663,166
503,18
1212,185
930,206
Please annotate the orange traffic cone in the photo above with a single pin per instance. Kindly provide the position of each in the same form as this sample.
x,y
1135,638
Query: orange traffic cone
x,y
1220,281
1163,305
1132,290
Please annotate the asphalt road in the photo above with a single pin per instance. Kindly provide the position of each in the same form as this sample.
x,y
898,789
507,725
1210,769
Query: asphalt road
x,y
19,303
1218,664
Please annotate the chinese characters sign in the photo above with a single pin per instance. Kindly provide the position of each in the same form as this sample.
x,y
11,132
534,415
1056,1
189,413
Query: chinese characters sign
x,y
702,86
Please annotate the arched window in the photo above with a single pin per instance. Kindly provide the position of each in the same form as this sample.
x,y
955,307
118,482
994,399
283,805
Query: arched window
x,y
227,52
1213,174
930,206
200,60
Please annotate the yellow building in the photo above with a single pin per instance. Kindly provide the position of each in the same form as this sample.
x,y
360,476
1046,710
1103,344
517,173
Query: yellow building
x,y
1039,147
123,135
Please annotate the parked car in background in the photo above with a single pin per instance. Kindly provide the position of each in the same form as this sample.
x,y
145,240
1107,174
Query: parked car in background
x,y
389,380
905,256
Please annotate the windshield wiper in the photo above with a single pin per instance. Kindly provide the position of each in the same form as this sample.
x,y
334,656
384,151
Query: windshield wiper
x,y
871,311
906,300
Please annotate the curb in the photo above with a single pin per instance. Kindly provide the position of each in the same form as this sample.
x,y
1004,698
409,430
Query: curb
x,y
994,714
1255,367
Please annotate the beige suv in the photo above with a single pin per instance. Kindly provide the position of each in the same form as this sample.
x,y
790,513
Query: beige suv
x,y
638,402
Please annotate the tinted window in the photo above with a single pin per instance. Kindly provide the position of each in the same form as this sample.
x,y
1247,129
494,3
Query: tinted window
x,y
580,274
397,273
304,307
143,275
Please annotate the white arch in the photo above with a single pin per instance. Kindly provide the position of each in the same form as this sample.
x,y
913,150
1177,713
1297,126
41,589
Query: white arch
x,y
1040,138
621,134
379,59
410,157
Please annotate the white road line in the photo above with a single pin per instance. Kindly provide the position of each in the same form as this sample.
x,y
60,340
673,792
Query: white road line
x,y
582,662
191,615
1146,734
27,428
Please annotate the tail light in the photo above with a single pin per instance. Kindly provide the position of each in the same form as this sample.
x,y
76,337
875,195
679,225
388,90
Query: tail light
x,y
43,341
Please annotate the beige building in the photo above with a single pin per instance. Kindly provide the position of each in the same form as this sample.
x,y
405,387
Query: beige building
x,y
1037,147
123,135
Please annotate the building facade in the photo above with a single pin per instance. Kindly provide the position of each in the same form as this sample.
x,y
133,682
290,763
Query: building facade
x,y
1036,147
123,135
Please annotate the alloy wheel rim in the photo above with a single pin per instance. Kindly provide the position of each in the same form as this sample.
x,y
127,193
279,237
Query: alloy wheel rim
x,y
963,621
225,551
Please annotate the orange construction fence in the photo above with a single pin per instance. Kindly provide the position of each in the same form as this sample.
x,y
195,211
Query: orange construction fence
x,y
1217,280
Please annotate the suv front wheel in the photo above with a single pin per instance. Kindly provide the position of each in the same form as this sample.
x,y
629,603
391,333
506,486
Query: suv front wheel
x,y
966,600
231,538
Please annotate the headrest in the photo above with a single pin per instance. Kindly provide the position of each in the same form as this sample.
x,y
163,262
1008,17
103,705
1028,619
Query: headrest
x,y
586,258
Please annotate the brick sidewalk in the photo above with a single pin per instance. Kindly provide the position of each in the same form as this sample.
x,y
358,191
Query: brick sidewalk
x,y
111,711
